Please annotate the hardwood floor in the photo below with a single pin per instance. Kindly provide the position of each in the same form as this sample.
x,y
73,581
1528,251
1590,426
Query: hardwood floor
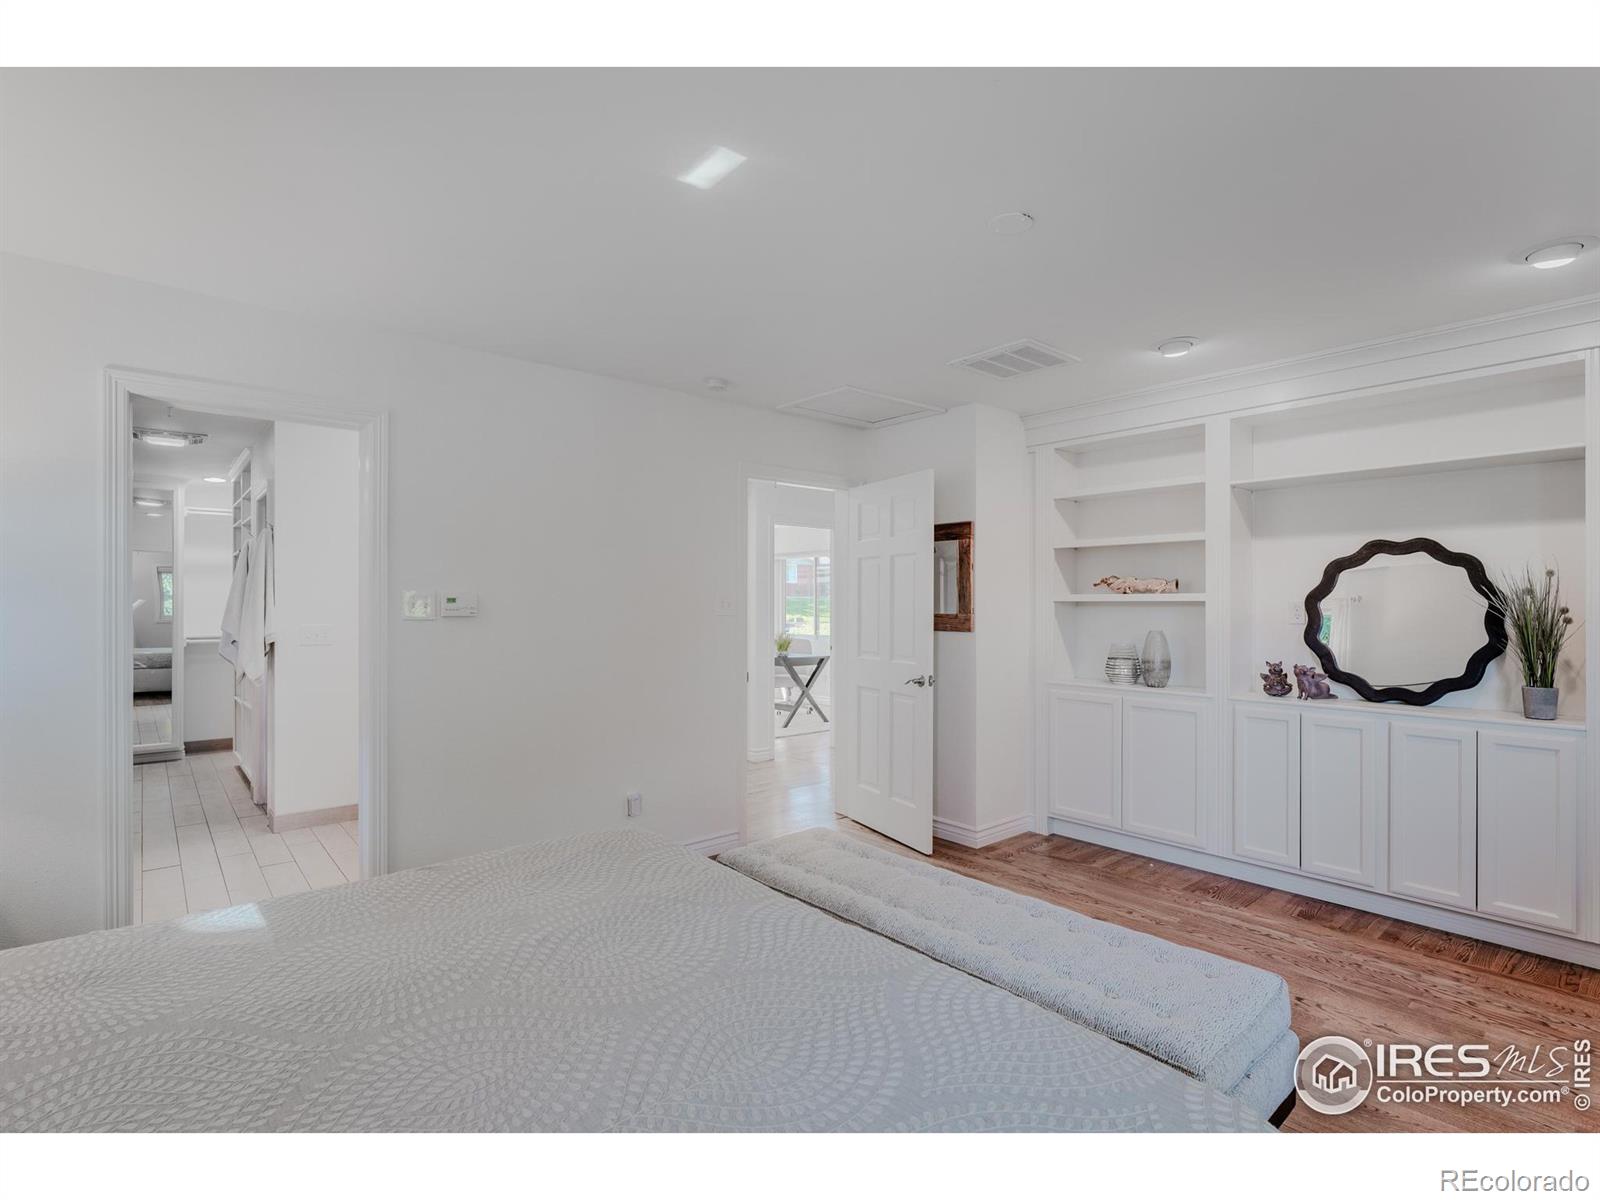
x,y
203,844
1349,972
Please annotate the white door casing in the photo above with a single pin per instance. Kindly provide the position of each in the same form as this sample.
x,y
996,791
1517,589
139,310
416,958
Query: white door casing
x,y
886,760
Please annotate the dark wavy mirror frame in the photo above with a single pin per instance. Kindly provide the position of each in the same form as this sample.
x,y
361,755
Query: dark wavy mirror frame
x,y
1494,626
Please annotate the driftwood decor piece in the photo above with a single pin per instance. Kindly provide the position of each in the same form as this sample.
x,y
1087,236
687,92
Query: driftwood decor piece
x,y
1129,585
952,565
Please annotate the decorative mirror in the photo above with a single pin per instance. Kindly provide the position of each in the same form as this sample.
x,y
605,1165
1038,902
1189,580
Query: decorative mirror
x,y
1407,621
952,577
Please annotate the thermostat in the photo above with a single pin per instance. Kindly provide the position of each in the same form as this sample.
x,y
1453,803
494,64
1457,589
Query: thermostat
x,y
459,604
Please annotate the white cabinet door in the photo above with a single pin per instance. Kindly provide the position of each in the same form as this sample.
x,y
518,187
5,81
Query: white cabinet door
x,y
1433,810
1085,764
1528,828
1266,784
1341,783
1164,755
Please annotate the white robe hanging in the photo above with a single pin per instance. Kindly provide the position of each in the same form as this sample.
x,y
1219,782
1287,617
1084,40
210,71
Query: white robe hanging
x,y
256,620
233,610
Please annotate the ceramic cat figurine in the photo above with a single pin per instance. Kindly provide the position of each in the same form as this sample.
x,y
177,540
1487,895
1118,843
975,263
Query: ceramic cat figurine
x,y
1129,585
1275,682
1312,684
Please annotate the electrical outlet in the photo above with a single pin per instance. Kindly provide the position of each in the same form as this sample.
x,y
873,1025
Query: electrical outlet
x,y
724,607
1296,613
635,804
316,635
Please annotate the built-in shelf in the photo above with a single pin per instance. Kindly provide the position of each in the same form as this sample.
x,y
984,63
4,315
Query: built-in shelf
x,y
1118,598
1431,712
1136,489
1511,458
1145,539
1103,684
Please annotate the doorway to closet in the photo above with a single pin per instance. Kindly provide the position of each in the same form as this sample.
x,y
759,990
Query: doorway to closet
x,y
243,563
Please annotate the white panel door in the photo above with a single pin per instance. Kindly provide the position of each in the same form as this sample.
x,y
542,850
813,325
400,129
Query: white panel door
x,y
1266,784
1341,783
1528,827
1433,812
1085,758
887,774
1164,756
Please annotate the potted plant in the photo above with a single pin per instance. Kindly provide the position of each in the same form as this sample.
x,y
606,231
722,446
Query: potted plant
x,y
783,641
1539,625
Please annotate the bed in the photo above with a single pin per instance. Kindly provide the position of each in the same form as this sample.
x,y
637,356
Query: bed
x,y
152,669
610,981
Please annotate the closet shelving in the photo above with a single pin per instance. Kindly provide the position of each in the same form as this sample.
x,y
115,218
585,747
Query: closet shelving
x,y
1565,452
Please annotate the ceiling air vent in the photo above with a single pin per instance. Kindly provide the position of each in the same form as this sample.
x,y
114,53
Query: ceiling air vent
x,y
1015,358
859,407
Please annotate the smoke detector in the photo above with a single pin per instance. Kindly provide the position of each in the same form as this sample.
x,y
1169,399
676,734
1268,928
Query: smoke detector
x,y
1015,358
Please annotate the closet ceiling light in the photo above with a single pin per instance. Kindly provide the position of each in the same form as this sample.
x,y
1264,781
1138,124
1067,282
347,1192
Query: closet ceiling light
x,y
1558,254
715,383
1011,224
1177,347
213,479
717,165
167,437
153,514
148,502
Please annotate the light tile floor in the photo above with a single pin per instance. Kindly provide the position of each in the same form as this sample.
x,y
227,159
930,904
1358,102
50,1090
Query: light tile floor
x,y
203,844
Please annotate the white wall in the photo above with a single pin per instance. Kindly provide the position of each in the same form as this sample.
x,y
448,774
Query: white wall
x,y
315,688
207,557
534,486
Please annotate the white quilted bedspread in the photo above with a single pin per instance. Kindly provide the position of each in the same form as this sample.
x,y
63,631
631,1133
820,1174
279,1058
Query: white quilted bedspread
x,y
609,981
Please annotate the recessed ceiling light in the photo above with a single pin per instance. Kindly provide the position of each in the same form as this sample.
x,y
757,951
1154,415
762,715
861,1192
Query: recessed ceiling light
x,y
717,165
153,514
213,479
715,383
1177,347
1557,254
1011,224
148,502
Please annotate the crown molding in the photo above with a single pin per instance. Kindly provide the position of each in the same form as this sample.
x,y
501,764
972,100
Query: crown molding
x,y
1263,383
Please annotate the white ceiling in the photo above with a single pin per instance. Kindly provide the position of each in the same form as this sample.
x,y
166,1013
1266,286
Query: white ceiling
x,y
226,437
537,213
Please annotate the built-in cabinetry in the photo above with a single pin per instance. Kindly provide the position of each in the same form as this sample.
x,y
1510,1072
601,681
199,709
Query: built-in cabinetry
x,y
1139,763
1461,814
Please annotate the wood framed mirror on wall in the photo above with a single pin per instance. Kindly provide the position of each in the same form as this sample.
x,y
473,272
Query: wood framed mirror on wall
x,y
952,577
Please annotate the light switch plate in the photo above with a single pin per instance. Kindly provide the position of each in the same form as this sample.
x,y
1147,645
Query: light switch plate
x,y
724,607
418,606
459,604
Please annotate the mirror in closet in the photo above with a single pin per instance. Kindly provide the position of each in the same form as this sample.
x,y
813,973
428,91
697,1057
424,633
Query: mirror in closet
x,y
1406,621
150,530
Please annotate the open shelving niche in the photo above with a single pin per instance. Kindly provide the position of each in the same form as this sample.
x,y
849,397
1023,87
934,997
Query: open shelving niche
x,y
1492,465
1131,504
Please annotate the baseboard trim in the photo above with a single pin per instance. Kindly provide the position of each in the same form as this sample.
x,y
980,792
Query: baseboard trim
x,y
206,745
974,837
715,844
282,822
1551,945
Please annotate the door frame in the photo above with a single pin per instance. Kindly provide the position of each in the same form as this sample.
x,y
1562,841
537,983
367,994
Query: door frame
x,y
801,477
173,748
121,384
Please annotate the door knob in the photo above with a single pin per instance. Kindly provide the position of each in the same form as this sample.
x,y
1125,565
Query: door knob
x,y
922,681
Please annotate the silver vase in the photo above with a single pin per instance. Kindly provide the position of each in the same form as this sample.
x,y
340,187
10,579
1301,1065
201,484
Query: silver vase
x,y
1539,704
1156,661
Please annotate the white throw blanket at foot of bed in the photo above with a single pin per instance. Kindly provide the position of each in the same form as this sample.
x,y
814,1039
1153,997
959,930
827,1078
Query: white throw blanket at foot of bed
x,y
1218,1020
